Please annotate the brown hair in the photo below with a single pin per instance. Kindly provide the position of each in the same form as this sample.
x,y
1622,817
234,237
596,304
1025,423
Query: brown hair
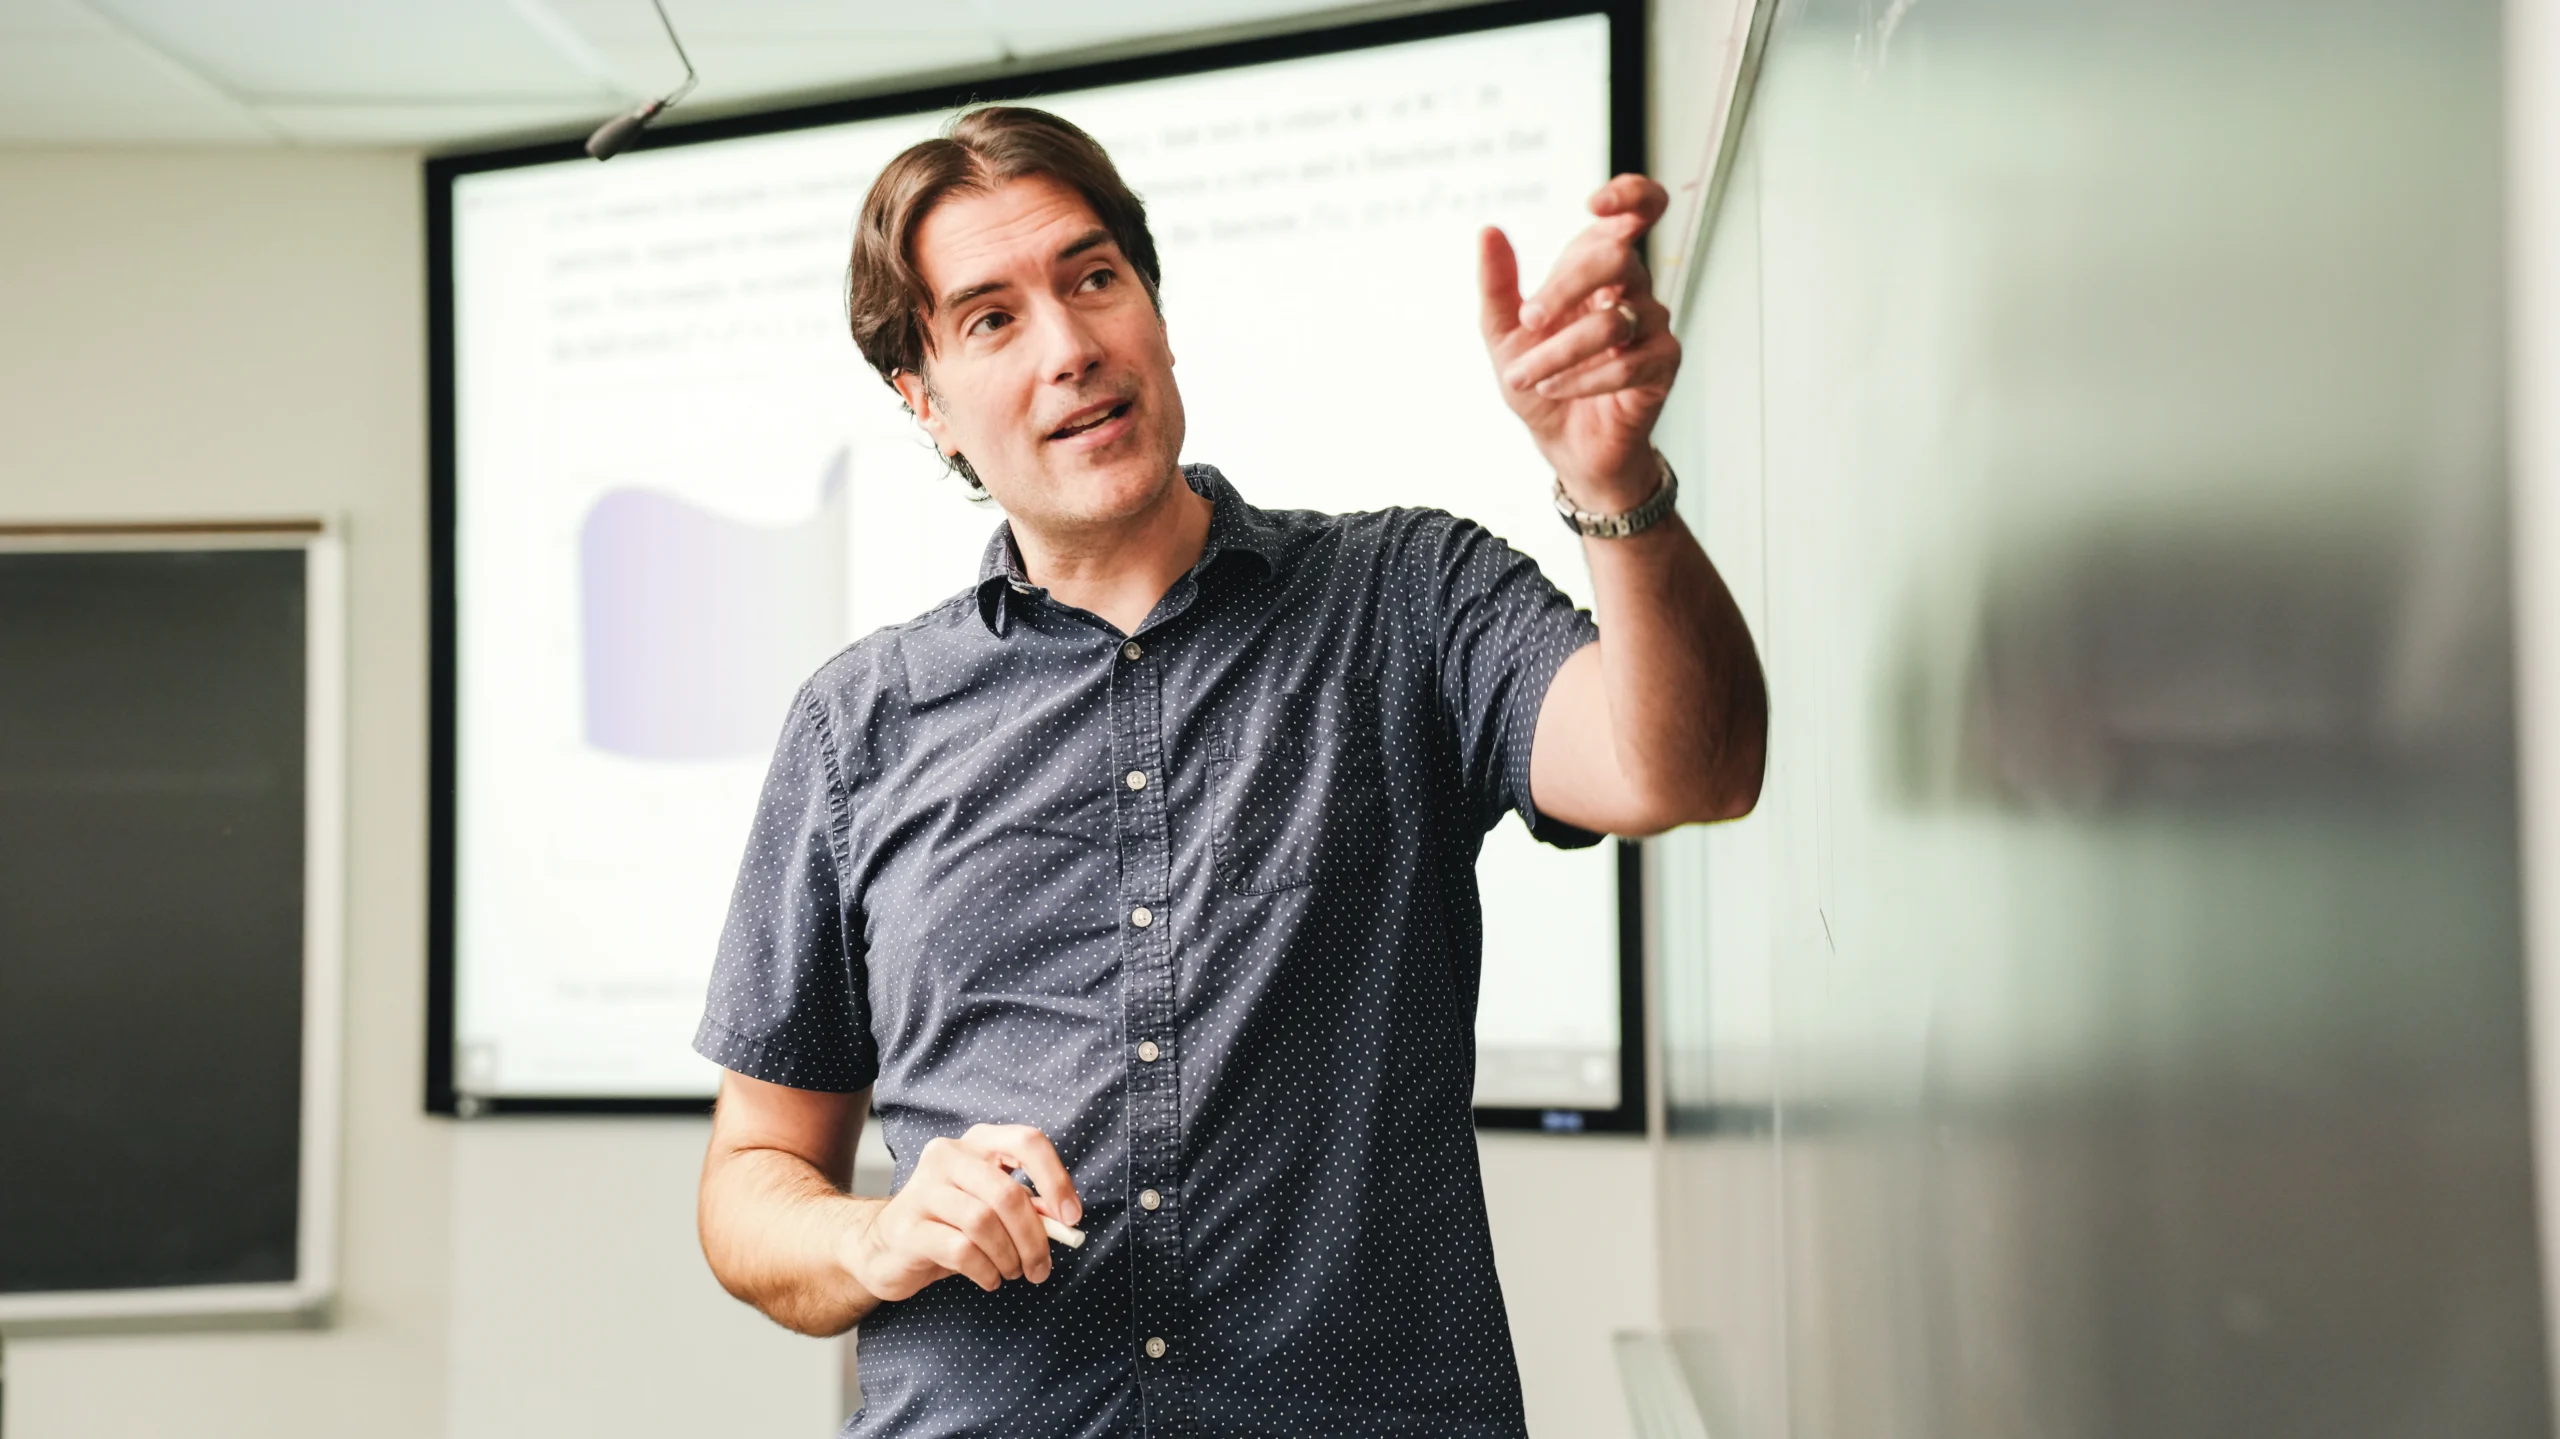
x,y
885,298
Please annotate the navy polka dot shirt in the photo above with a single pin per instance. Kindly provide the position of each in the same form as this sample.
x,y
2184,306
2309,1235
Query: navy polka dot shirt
x,y
1200,903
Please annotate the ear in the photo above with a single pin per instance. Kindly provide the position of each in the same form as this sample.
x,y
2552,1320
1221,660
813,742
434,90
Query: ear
x,y
919,398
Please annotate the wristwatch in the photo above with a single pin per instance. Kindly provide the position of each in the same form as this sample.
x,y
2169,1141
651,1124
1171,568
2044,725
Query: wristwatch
x,y
1626,522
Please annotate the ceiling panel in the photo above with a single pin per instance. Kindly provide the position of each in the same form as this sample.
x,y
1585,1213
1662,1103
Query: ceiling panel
x,y
739,71
29,18
450,72
65,75
441,126
749,50
342,50
767,19
1030,27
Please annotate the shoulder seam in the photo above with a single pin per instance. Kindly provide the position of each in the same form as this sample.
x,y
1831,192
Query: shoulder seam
x,y
1423,591
839,797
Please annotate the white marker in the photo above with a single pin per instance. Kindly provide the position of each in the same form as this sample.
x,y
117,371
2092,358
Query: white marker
x,y
1070,1237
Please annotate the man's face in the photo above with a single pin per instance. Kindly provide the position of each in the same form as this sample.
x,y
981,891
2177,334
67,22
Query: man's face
x,y
1049,368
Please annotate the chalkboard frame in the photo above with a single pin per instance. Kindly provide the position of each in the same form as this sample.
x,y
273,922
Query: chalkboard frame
x,y
308,1296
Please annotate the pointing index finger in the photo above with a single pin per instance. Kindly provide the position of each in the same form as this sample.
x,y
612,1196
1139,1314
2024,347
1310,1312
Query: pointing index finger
x,y
1498,272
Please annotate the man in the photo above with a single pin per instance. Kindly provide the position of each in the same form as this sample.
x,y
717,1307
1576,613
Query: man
x,y
1143,870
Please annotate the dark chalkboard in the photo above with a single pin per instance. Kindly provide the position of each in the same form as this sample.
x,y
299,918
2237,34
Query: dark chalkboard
x,y
152,961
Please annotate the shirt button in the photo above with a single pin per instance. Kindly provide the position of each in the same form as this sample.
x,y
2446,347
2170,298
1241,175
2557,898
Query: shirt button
x,y
1147,1051
1155,1349
1149,1199
1131,650
1142,916
1137,779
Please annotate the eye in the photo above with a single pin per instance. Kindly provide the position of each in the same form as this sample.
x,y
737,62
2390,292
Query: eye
x,y
1104,274
988,322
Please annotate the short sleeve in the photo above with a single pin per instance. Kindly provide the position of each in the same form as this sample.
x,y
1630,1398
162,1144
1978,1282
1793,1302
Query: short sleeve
x,y
789,992
1504,629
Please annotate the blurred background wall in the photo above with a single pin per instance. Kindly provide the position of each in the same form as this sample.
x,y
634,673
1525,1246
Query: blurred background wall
x,y
240,333
2112,1021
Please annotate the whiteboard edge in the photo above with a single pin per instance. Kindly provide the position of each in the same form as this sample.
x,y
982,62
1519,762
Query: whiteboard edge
x,y
2533,216
32,1313
324,912
1749,43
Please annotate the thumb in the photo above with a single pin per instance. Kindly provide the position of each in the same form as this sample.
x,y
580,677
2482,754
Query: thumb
x,y
1498,271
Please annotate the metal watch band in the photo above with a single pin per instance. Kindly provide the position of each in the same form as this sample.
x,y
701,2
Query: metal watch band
x,y
1626,522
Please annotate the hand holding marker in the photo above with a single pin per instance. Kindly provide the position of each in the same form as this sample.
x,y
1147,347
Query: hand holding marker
x,y
964,1211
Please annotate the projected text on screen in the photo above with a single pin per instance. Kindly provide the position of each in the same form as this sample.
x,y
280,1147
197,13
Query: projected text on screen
x,y
678,490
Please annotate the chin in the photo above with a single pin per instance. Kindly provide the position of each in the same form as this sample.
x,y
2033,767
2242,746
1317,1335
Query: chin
x,y
1117,486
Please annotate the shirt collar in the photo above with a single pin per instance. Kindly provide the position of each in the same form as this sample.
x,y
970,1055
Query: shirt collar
x,y
1234,527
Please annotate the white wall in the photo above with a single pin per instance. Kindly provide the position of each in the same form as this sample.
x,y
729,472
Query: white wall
x,y
581,1305
1573,1240
230,334
241,333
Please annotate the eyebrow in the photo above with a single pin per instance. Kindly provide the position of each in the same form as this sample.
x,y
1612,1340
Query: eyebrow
x,y
1074,247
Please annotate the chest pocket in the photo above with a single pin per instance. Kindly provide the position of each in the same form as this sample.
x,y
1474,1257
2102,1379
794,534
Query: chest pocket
x,y
1299,789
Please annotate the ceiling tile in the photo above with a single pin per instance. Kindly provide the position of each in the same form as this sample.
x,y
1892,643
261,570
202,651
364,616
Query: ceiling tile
x,y
100,87
345,50
444,72
20,19
737,72
768,19
1039,27
428,125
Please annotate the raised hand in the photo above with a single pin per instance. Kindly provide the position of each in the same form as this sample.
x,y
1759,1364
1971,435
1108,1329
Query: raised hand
x,y
1587,361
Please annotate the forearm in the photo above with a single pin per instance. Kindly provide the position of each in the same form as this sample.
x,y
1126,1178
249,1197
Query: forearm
x,y
773,1229
1688,707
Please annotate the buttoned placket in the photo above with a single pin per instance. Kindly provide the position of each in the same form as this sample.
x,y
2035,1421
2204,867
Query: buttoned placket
x,y
1152,1049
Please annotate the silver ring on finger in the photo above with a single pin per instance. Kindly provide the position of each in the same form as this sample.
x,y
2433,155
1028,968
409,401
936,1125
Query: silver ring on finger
x,y
1627,313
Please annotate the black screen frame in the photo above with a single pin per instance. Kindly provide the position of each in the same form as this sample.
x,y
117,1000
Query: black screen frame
x,y
1627,113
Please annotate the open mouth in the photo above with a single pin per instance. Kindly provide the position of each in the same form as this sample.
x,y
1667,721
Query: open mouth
x,y
1092,420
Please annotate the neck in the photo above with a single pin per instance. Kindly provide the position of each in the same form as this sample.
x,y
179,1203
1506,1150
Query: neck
x,y
1121,568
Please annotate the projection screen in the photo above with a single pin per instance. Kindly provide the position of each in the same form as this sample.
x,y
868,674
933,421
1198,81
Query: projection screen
x,y
668,488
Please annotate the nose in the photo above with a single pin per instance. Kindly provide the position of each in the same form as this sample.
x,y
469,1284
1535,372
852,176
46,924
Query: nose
x,y
1073,349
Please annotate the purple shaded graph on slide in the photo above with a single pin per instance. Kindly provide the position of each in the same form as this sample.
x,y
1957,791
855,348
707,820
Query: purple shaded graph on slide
x,y
698,626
